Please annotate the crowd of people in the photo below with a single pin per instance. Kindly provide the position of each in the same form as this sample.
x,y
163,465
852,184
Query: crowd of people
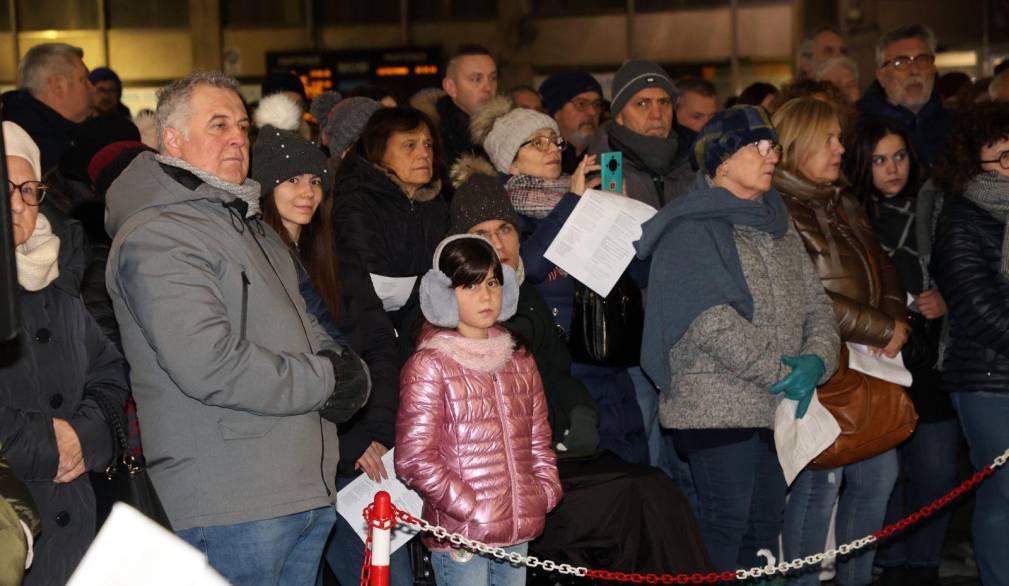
x,y
274,297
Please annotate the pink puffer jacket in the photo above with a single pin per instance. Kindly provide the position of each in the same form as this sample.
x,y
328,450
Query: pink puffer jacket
x,y
472,437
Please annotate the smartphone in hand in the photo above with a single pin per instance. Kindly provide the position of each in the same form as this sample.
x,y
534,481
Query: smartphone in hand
x,y
612,172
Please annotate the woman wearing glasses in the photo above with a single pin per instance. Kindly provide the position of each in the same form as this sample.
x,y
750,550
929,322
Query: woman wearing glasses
x,y
870,306
52,377
971,266
736,315
525,148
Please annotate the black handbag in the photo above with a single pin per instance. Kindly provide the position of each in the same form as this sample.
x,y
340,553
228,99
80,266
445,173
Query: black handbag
x,y
125,480
606,331
921,351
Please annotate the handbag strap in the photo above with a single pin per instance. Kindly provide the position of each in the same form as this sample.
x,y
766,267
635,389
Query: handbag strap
x,y
119,437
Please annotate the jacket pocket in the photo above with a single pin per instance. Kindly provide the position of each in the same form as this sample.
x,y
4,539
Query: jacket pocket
x,y
245,303
239,425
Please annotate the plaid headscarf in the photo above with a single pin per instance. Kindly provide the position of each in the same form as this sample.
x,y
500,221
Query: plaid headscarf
x,y
728,131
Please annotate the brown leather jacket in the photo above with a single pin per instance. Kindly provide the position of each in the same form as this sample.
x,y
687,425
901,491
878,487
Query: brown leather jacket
x,y
859,277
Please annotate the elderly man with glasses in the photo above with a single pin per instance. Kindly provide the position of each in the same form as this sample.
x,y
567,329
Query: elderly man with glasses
x,y
575,100
904,90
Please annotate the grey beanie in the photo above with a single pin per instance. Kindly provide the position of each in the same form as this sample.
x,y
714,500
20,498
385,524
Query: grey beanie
x,y
510,131
634,76
345,121
479,199
279,155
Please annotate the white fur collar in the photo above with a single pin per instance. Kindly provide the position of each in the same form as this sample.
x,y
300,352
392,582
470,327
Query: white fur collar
x,y
487,355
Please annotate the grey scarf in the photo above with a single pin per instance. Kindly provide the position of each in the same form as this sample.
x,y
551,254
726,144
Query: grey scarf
x,y
990,192
247,191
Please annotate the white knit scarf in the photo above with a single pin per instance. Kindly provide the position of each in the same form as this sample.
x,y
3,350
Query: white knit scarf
x,y
37,257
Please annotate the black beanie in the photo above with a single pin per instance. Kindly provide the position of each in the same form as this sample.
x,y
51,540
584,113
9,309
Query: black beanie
x,y
558,89
479,199
279,155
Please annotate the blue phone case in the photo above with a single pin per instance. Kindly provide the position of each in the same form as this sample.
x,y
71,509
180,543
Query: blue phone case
x,y
612,172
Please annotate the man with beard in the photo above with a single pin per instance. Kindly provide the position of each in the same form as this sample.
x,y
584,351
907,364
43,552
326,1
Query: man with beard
x,y
575,100
904,90
822,44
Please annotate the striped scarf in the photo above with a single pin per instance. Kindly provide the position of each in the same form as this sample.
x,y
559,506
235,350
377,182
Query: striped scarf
x,y
536,197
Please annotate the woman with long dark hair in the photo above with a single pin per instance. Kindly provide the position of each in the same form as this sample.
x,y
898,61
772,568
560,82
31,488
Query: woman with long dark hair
x,y
296,202
971,267
885,176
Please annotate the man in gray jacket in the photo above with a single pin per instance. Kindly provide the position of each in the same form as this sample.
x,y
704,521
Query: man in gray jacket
x,y
237,386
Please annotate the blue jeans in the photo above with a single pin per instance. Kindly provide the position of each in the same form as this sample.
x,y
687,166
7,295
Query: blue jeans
x,y
278,551
345,553
928,471
984,418
461,567
740,492
862,506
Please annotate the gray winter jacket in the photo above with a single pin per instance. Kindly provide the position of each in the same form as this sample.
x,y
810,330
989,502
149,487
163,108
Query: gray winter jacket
x,y
221,352
723,365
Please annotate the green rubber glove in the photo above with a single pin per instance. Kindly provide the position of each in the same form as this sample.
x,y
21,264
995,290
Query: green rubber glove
x,y
800,384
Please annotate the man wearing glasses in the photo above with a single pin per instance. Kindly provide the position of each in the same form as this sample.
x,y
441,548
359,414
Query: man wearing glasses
x,y
904,91
575,100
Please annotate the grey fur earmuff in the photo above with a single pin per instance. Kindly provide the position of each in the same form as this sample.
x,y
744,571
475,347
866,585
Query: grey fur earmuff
x,y
437,298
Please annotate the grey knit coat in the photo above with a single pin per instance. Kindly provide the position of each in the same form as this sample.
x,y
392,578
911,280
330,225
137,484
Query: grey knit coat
x,y
723,365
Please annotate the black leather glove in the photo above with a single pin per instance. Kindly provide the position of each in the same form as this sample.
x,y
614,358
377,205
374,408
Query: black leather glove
x,y
353,385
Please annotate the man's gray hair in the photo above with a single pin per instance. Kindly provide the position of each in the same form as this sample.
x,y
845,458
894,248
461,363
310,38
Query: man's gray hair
x,y
43,61
174,100
807,48
911,31
839,61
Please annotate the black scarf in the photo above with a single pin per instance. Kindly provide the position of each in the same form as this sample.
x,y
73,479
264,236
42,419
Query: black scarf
x,y
655,155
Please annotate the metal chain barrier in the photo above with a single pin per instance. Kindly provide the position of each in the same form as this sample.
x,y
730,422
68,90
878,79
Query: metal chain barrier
x,y
461,541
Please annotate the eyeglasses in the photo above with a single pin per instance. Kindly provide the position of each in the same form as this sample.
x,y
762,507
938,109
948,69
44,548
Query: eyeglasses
x,y
542,143
903,62
1002,160
584,105
765,146
33,193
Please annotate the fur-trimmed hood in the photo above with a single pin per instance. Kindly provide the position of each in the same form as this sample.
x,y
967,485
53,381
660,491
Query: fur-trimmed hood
x,y
482,121
468,166
426,101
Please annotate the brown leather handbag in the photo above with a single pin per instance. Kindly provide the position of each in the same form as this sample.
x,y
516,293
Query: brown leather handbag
x,y
874,415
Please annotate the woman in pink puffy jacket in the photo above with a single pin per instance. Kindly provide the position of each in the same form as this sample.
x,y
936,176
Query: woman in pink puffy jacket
x,y
471,434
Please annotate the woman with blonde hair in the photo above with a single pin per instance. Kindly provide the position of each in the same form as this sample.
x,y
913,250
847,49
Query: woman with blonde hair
x,y
869,304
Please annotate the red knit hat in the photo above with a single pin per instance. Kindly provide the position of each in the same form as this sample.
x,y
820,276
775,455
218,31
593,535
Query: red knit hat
x,y
111,160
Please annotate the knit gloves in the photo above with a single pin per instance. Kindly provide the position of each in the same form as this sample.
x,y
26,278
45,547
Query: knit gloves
x,y
353,385
800,384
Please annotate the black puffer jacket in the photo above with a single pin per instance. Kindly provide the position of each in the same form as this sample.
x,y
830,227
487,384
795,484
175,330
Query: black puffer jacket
x,y
366,328
965,263
391,234
58,358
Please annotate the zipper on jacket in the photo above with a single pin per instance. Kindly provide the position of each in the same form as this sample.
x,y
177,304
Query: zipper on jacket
x,y
509,456
245,301
322,459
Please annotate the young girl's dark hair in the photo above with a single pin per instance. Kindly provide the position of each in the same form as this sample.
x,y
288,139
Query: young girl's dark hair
x,y
314,249
857,162
467,260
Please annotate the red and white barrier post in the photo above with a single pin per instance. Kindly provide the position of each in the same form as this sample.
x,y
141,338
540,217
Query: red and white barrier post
x,y
381,538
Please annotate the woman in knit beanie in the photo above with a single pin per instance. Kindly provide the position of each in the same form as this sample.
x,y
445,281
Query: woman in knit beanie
x,y
297,202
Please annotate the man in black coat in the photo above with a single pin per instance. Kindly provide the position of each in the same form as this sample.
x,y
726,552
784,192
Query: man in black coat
x,y
54,95
470,82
